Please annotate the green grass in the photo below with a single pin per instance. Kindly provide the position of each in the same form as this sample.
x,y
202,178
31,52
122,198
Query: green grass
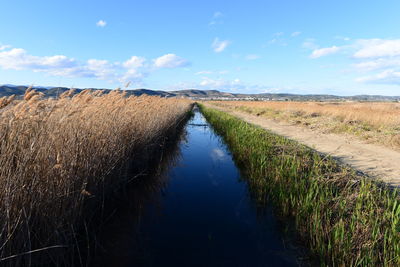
x,y
345,219
387,135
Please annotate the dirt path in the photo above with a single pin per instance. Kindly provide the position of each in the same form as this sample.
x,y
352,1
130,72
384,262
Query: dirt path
x,y
374,160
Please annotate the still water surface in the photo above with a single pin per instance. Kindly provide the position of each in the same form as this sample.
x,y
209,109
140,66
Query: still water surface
x,y
202,216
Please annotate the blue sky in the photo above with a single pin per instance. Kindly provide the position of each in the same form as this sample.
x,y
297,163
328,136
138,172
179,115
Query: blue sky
x,y
336,47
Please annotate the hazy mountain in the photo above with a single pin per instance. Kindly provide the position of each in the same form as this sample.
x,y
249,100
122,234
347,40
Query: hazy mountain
x,y
19,90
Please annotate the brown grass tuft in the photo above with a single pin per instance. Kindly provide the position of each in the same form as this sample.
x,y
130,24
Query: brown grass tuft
x,y
377,122
56,153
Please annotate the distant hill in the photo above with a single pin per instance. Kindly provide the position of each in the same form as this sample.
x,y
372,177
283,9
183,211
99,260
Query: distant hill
x,y
202,93
7,90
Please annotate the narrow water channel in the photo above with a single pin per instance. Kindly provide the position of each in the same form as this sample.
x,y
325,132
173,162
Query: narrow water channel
x,y
204,215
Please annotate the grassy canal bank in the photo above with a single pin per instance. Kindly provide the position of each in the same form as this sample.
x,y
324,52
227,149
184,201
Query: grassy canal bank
x,y
345,219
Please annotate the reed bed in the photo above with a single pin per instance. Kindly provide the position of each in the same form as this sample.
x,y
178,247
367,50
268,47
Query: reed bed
x,y
345,219
377,122
55,154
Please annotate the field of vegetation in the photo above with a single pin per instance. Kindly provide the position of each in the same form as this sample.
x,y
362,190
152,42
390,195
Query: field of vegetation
x,y
375,122
56,154
345,219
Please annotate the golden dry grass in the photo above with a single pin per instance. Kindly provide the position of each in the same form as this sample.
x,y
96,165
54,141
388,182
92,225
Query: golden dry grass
x,y
56,153
377,122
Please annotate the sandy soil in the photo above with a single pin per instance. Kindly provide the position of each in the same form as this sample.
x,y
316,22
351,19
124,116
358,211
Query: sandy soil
x,y
373,160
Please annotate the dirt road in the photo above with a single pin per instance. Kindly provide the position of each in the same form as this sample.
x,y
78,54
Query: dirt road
x,y
376,161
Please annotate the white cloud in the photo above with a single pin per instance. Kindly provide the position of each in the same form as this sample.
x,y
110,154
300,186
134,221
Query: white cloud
x,y
252,57
101,23
216,18
362,48
135,68
324,51
220,45
18,59
385,77
310,44
4,47
220,84
294,34
277,39
372,48
101,69
343,38
376,54
203,72
170,61
218,14
133,75
218,154
378,63
134,62
235,85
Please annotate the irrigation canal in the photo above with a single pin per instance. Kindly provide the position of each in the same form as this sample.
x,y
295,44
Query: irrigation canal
x,y
202,216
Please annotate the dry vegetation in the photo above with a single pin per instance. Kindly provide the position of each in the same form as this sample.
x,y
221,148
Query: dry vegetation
x,y
344,218
375,122
54,154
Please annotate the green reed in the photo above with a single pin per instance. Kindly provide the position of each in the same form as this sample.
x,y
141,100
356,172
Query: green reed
x,y
345,219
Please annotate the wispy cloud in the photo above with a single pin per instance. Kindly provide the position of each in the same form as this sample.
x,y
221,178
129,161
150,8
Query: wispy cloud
x,y
317,53
374,48
294,34
133,69
216,18
101,23
170,61
309,43
220,45
134,62
234,85
218,154
369,55
217,15
385,77
252,57
203,72
3,47
278,38
381,55
206,72
343,38
220,84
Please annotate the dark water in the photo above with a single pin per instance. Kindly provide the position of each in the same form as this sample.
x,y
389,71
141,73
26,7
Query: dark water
x,y
201,215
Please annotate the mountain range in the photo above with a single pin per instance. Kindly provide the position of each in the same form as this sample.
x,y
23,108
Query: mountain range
x,y
7,90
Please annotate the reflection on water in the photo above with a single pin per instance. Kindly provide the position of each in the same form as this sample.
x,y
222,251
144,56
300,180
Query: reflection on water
x,y
199,214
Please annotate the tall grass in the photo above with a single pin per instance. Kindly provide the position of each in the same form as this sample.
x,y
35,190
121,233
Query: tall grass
x,y
377,122
345,219
57,153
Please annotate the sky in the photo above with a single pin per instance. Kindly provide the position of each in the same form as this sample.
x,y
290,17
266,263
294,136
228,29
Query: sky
x,y
337,47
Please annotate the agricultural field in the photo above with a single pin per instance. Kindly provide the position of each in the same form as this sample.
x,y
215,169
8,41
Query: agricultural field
x,y
374,122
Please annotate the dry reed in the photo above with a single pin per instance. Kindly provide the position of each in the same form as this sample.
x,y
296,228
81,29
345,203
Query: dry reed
x,y
55,153
375,121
